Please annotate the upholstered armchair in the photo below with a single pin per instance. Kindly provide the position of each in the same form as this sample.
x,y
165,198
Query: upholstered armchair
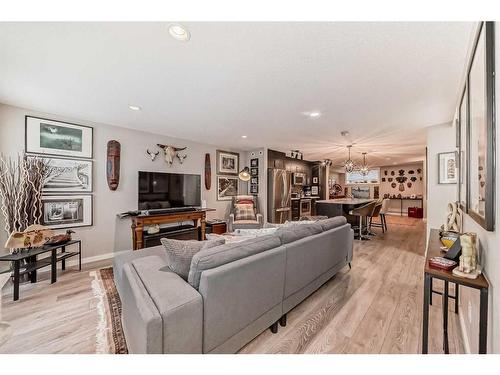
x,y
244,213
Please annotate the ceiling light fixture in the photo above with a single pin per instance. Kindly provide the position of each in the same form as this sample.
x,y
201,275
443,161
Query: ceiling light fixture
x,y
179,32
243,136
134,107
314,114
349,164
364,170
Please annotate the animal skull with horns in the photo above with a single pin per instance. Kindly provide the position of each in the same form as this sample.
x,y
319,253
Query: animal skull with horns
x,y
152,155
170,152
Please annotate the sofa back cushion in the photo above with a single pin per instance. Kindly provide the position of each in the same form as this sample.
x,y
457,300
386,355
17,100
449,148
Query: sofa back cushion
x,y
293,233
220,255
332,223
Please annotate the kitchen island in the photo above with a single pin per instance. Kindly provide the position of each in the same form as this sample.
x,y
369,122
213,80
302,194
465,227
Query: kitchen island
x,y
340,206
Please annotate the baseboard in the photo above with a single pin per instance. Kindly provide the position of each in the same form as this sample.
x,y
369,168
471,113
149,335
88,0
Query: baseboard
x,y
74,261
463,331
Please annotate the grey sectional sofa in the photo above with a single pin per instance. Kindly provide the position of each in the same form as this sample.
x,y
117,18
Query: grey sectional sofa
x,y
234,291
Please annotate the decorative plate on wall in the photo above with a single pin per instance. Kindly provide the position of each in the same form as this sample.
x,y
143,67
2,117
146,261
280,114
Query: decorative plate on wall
x,y
390,179
408,184
383,179
413,178
392,173
393,185
411,171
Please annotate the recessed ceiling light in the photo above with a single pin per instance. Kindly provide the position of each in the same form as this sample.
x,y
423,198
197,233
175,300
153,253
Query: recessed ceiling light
x,y
314,114
134,107
179,32
243,136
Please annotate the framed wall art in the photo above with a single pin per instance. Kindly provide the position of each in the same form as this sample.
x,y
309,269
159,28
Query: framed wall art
x,y
447,168
67,211
67,175
254,163
49,137
228,163
227,187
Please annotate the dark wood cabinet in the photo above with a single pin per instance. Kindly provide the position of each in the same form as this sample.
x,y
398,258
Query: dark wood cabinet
x,y
295,209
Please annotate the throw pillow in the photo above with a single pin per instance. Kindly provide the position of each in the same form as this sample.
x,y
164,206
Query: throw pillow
x,y
180,253
244,212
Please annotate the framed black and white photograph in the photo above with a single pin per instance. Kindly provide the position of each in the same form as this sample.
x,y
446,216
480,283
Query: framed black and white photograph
x,y
447,168
315,180
67,211
67,176
481,130
254,189
227,187
228,162
254,171
254,163
49,137
254,180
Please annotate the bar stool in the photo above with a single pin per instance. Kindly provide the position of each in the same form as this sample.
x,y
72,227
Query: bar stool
x,y
363,211
383,211
375,213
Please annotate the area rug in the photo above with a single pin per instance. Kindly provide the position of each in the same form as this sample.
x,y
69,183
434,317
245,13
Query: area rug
x,y
109,338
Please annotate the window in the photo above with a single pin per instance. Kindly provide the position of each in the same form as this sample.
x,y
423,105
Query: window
x,y
357,178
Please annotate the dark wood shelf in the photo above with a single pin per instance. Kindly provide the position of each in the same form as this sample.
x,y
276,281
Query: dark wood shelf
x,y
62,256
35,265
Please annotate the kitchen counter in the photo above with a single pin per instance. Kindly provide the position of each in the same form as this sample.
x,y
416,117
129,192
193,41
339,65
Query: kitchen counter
x,y
298,199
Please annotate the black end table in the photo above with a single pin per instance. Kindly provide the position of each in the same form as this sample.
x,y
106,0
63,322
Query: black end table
x,y
33,264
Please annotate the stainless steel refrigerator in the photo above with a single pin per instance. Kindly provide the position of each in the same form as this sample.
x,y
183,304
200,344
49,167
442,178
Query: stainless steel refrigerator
x,y
279,195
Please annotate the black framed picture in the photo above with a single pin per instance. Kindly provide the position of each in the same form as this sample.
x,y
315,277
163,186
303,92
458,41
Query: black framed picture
x,y
49,137
228,162
67,211
315,180
254,163
254,189
254,171
227,187
254,180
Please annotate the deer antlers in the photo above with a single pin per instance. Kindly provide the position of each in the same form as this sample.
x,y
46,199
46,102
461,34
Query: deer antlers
x,y
152,155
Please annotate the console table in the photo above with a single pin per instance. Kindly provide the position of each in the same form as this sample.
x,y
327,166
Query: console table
x,y
481,283
141,221
33,264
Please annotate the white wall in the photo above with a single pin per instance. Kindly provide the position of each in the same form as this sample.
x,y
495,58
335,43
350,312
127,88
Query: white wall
x,y
110,234
440,138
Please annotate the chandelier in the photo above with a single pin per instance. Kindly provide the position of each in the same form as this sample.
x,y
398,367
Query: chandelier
x,y
349,164
364,170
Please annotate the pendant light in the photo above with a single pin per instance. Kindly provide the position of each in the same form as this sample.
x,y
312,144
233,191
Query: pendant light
x,y
364,168
349,164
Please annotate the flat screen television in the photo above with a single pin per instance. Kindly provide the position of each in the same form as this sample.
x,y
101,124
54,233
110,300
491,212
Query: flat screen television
x,y
168,190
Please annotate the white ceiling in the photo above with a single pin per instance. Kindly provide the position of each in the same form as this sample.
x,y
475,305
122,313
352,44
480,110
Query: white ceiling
x,y
384,82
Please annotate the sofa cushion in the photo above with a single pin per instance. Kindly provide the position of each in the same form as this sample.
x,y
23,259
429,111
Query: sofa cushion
x,y
220,255
180,253
333,222
293,233
244,212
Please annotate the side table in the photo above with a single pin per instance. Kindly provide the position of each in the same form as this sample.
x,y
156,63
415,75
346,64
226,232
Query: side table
x,y
33,264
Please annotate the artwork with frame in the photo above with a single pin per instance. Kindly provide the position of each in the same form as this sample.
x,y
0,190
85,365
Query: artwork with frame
x,y
49,137
315,180
254,171
254,189
67,175
254,163
447,168
227,187
254,180
67,211
480,157
228,163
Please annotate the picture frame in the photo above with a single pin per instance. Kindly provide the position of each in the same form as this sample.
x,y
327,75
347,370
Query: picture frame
x,y
50,137
254,163
254,189
254,180
67,175
254,171
227,187
228,163
481,129
315,180
67,211
447,168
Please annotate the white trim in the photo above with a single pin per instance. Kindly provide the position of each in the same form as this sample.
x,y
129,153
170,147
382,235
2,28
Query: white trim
x,y
74,261
465,337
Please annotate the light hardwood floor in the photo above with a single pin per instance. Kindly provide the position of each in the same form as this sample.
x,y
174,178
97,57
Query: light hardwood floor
x,y
374,308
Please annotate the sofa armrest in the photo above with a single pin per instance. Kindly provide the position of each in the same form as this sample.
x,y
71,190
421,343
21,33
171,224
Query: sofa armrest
x,y
173,319
230,223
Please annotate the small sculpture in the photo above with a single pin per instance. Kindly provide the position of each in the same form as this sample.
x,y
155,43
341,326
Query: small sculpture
x,y
468,266
454,218
113,164
152,155
60,238
181,158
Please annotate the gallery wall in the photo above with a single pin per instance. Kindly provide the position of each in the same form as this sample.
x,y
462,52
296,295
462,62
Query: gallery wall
x,y
109,233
